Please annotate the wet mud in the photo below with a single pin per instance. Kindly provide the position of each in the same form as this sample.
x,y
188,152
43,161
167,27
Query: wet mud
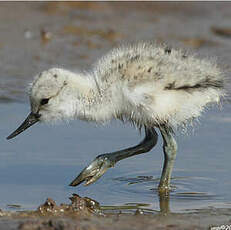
x,y
84,213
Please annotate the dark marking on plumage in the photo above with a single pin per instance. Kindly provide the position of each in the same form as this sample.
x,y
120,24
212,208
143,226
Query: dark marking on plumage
x,y
189,87
157,74
170,86
207,83
135,58
120,66
55,75
167,50
150,69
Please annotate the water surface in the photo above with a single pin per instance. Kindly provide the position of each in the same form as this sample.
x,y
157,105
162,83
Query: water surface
x,y
43,160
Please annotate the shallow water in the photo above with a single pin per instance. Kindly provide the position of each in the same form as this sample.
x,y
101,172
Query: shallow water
x,y
42,161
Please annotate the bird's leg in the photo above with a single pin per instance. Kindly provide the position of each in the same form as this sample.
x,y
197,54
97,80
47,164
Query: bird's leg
x,y
170,149
102,162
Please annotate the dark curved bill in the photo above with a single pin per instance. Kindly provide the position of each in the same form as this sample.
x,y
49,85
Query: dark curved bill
x,y
30,120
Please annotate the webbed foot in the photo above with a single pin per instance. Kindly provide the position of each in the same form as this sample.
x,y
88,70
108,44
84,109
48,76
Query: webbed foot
x,y
94,171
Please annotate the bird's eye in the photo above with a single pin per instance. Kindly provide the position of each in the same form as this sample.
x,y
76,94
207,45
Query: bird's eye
x,y
44,101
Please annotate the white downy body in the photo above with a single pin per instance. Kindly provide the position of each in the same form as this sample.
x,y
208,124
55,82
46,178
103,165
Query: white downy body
x,y
145,84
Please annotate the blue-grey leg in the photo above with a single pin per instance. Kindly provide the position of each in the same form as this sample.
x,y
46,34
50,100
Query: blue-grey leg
x,y
170,149
105,161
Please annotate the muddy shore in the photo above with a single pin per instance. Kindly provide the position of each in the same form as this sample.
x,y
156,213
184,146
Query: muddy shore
x,y
84,213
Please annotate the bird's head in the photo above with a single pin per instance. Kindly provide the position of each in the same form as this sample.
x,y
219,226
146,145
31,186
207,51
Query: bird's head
x,y
49,99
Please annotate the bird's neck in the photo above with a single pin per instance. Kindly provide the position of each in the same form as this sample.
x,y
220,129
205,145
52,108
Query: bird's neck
x,y
93,102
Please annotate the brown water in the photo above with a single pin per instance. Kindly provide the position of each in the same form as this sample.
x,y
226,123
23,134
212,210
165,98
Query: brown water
x,y
42,161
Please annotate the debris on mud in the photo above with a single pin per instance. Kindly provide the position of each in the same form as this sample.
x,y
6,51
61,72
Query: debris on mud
x,y
79,206
224,32
14,206
84,213
45,36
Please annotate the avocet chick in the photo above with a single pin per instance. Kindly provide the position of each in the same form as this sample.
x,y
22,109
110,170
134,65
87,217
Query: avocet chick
x,y
149,86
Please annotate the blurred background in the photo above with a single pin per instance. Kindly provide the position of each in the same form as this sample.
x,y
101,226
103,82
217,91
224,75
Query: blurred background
x,y
35,36
41,162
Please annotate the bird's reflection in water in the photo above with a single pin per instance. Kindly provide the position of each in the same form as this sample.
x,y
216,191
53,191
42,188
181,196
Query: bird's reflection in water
x,y
86,204
139,208
164,203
